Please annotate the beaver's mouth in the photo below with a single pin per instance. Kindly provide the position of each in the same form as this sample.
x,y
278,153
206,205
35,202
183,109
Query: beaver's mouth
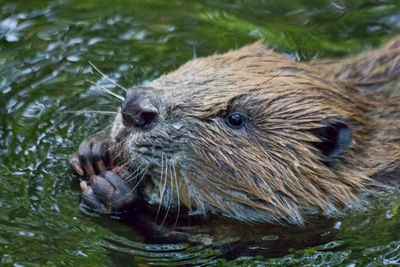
x,y
141,181
154,199
153,169
137,180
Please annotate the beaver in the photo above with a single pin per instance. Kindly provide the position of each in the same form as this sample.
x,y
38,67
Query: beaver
x,y
251,135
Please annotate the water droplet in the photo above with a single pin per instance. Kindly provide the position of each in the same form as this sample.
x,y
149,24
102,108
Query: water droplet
x,y
177,125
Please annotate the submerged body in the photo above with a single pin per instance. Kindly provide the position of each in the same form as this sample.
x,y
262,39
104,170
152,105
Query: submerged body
x,y
252,135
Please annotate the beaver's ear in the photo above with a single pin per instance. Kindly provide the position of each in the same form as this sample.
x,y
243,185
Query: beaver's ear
x,y
335,138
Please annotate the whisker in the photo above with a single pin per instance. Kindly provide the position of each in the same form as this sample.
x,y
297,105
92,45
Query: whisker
x,y
137,184
91,111
139,170
170,197
107,91
132,175
138,155
107,78
131,158
177,195
141,179
161,180
105,130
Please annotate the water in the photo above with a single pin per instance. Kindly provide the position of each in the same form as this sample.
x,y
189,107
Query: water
x,y
45,50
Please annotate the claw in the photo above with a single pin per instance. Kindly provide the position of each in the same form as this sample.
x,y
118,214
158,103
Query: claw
x,y
75,165
105,191
92,158
90,199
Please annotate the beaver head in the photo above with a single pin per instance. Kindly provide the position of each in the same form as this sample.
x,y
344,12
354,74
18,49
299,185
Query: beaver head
x,y
249,134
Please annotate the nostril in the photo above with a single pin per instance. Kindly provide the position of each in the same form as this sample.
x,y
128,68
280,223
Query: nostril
x,y
145,118
140,119
138,110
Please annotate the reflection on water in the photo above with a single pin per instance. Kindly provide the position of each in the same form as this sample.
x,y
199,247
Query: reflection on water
x,y
45,50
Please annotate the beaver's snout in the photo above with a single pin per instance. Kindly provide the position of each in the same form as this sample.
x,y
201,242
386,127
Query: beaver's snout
x,y
138,111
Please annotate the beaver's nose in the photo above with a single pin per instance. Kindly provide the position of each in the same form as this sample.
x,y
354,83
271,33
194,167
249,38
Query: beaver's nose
x,y
138,111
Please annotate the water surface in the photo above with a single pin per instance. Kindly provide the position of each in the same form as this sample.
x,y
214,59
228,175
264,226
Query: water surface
x,y
45,50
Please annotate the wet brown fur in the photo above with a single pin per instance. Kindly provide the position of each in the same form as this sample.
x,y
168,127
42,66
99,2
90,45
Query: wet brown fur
x,y
270,170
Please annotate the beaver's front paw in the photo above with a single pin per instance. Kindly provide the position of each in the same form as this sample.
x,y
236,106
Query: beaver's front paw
x,y
107,193
93,157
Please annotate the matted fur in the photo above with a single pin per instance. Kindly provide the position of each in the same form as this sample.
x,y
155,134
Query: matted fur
x,y
269,170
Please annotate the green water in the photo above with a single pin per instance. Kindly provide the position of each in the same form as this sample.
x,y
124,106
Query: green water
x,y
45,50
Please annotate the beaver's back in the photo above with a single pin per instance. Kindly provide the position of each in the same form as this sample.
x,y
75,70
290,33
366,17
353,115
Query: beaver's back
x,y
376,69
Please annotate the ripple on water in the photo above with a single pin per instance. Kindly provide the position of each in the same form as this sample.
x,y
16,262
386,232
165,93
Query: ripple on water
x,y
45,50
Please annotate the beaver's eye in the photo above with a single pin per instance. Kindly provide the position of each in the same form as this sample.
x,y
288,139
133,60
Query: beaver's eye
x,y
235,120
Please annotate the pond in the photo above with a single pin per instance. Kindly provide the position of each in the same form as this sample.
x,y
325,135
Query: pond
x,y
46,78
